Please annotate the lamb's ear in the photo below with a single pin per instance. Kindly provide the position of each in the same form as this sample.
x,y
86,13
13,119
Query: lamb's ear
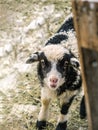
x,y
33,58
74,62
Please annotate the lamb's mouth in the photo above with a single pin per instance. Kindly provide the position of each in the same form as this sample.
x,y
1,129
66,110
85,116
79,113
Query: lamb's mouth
x,y
53,85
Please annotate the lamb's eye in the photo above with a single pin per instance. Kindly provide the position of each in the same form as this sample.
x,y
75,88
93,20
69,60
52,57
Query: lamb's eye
x,y
43,63
65,64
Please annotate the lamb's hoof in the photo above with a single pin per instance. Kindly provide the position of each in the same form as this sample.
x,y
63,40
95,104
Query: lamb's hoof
x,y
41,125
62,126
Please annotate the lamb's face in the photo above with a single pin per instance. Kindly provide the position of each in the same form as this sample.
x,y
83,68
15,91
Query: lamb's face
x,y
53,67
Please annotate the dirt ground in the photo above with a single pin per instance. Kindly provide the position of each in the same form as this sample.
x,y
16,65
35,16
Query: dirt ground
x,y
25,26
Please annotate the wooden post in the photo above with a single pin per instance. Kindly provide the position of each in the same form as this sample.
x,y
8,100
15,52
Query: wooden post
x,y
86,25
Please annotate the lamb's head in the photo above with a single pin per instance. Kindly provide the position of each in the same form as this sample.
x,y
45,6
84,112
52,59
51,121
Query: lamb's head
x,y
55,64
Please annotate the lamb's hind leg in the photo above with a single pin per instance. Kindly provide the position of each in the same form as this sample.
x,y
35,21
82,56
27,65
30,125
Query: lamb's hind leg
x,y
62,122
82,108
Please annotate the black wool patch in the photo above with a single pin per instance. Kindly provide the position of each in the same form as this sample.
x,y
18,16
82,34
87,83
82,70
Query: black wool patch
x,y
61,89
57,39
67,26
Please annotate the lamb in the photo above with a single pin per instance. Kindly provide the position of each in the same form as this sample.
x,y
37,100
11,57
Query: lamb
x,y
59,75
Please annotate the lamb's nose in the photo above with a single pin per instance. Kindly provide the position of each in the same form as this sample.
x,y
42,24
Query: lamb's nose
x,y
53,80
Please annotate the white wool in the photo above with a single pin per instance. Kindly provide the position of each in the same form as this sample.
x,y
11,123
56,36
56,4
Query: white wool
x,y
54,52
71,43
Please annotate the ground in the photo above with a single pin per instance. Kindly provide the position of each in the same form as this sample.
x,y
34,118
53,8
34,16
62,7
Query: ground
x,y
25,26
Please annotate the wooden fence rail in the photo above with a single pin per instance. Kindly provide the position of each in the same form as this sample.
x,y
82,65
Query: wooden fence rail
x,y
86,25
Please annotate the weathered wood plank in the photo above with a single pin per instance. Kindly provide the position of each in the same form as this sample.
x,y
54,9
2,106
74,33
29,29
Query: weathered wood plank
x,y
86,24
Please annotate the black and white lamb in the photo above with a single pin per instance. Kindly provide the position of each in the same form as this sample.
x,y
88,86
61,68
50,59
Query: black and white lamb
x,y
59,74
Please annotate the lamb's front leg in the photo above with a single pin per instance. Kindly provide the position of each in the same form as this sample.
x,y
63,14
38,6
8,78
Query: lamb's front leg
x,y
42,118
62,121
